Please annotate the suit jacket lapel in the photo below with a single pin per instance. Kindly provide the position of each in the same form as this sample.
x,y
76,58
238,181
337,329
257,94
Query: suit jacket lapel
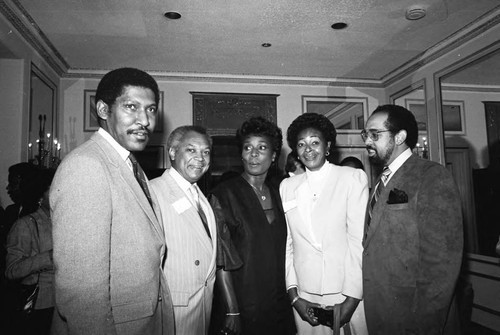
x,y
190,216
380,206
127,175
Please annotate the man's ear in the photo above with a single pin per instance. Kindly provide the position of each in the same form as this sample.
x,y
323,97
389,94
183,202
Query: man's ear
x,y
171,154
400,137
102,110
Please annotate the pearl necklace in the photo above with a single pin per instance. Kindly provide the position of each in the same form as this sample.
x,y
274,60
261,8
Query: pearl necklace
x,y
259,193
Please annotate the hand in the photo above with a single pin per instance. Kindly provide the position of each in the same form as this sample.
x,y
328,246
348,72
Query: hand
x,y
347,309
232,325
304,308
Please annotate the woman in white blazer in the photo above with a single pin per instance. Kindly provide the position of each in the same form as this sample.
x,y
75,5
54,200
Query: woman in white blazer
x,y
325,212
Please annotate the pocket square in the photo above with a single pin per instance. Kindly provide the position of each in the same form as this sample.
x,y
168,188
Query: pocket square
x,y
397,197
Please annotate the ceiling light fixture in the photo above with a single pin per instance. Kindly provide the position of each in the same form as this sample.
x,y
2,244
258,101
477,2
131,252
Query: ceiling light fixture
x,y
266,45
339,25
172,15
415,12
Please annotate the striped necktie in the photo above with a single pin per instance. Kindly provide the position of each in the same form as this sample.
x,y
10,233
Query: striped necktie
x,y
378,189
195,194
140,177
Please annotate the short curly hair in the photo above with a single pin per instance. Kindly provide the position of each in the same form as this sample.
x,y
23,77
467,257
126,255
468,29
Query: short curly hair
x,y
259,126
316,121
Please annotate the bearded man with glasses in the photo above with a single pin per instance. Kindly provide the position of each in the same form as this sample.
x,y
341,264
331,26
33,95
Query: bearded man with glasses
x,y
413,233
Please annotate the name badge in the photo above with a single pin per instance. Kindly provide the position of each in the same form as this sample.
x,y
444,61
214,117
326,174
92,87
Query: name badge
x,y
181,205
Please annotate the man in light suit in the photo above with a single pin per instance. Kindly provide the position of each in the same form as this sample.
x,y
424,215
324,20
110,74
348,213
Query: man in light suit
x,y
413,232
189,229
109,243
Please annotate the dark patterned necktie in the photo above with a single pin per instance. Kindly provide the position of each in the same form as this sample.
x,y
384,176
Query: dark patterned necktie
x,y
378,189
195,193
140,177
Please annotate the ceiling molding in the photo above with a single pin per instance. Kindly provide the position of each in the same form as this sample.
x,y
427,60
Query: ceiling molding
x,y
455,40
470,88
32,34
239,79
29,30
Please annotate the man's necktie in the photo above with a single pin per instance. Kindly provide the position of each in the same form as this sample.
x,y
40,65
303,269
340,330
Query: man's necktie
x,y
195,193
140,176
378,189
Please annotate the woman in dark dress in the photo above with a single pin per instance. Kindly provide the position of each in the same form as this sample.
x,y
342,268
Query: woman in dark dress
x,y
252,239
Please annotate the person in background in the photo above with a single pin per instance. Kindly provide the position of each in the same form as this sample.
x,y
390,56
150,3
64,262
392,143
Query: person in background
x,y
190,230
413,232
252,238
109,244
29,256
293,165
353,162
325,212
20,179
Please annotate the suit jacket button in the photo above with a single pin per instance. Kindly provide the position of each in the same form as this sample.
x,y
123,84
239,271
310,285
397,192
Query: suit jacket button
x,y
196,262
159,298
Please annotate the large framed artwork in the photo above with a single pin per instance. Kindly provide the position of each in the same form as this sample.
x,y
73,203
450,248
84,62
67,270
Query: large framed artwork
x,y
453,115
348,114
90,122
222,114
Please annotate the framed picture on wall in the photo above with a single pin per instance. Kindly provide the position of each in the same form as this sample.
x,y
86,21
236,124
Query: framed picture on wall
x,y
90,122
453,115
348,114
89,111
152,160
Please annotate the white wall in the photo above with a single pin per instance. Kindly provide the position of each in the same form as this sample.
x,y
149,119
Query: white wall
x,y
11,82
15,97
178,105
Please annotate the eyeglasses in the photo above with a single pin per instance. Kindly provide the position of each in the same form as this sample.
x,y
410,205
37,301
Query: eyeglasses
x,y
372,134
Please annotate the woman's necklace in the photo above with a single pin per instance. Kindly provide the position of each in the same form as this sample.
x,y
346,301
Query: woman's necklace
x,y
259,193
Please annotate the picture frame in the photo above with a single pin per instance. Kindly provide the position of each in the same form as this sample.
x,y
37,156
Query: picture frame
x,y
453,115
348,114
152,159
90,122
223,113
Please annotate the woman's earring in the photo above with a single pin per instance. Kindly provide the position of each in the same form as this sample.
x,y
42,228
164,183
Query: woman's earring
x,y
327,153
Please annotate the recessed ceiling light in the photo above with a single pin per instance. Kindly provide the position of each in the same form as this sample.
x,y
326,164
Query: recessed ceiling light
x,y
172,15
339,25
415,12
266,45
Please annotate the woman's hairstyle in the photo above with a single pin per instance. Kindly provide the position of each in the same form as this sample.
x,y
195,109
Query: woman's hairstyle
x,y
258,126
311,120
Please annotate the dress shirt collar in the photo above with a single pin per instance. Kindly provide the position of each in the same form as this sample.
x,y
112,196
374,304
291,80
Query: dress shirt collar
x,y
318,174
183,183
124,153
398,162
316,179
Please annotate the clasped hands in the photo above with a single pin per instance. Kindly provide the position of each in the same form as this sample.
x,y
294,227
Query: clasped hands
x,y
316,314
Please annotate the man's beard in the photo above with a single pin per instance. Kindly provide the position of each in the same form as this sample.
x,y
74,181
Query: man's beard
x,y
382,160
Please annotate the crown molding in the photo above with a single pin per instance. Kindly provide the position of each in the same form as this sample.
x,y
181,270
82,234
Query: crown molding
x,y
469,32
29,30
234,78
470,88
20,19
